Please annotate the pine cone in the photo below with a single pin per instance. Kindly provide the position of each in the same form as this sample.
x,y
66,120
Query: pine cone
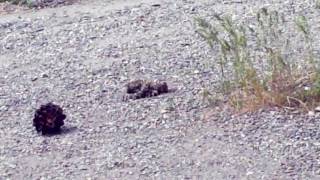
x,y
49,118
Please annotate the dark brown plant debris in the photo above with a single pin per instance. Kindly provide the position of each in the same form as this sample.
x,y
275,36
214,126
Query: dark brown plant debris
x,y
143,89
49,118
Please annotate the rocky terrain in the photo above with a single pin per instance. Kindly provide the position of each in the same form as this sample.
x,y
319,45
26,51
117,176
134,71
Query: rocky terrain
x,y
81,56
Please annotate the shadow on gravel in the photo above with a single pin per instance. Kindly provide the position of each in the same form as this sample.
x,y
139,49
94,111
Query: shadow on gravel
x,y
172,90
63,130
68,130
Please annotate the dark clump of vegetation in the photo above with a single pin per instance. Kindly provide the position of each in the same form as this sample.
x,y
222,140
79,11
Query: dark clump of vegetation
x,y
143,89
276,77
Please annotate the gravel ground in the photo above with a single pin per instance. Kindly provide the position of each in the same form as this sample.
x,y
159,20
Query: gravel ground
x,y
80,57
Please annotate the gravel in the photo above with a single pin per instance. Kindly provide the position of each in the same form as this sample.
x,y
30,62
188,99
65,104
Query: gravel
x,y
81,56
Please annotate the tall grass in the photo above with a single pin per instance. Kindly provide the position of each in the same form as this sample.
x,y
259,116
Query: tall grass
x,y
279,80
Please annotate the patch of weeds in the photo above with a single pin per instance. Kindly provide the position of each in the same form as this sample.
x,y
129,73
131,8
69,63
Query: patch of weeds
x,y
276,80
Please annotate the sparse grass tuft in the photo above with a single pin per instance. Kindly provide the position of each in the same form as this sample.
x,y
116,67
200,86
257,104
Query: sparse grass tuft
x,y
271,79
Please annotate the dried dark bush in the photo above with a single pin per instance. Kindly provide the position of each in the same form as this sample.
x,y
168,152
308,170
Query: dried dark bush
x,y
48,119
142,89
